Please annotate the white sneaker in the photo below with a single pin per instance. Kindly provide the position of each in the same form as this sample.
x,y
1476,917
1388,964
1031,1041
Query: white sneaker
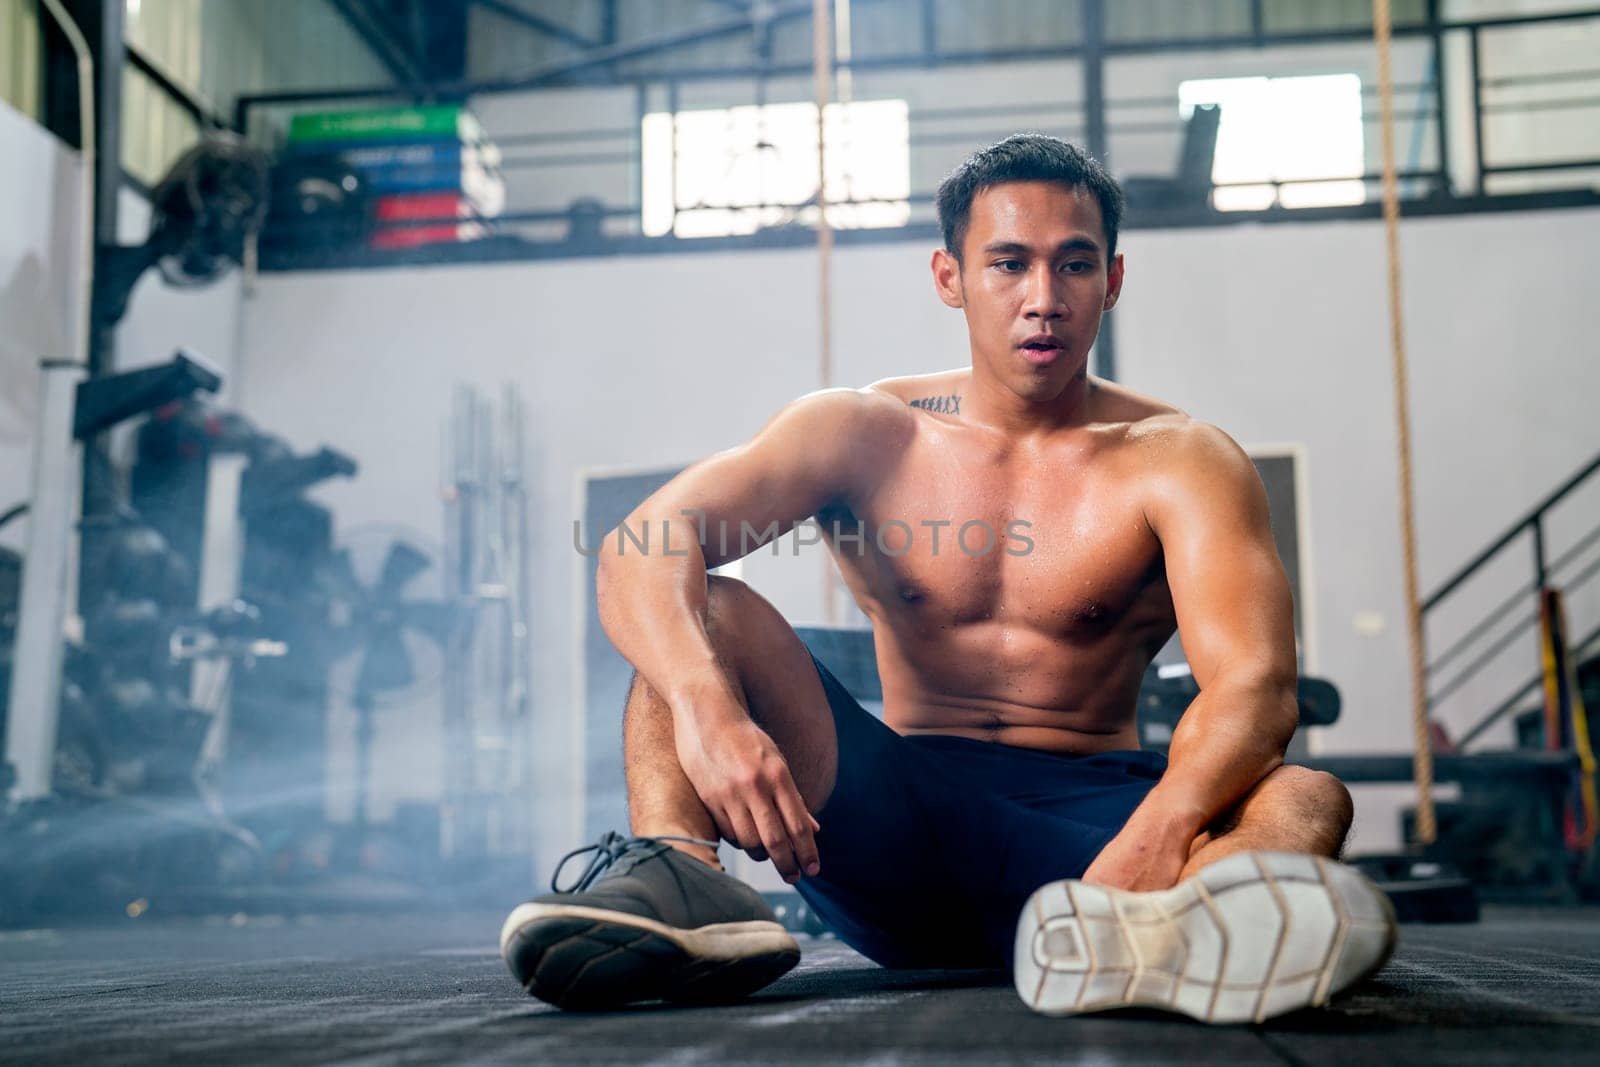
x,y
1251,936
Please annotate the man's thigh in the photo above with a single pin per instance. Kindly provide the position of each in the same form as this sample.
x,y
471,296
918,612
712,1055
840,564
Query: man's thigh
x,y
924,862
781,688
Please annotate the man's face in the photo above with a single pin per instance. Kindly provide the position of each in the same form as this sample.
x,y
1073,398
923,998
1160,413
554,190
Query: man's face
x,y
1033,282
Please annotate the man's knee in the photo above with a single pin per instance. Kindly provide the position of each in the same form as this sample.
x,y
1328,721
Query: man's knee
x,y
1316,797
739,620
730,604
725,595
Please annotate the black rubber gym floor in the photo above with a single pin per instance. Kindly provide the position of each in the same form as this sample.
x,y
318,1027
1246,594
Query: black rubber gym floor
x,y
1520,987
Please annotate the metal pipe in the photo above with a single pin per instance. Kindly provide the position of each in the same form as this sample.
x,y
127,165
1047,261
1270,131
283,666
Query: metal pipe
x,y
1539,573
1094,121
1477,108
1441,123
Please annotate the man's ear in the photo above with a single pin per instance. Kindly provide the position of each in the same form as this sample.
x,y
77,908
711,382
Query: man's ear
x,y
947,278
1113,283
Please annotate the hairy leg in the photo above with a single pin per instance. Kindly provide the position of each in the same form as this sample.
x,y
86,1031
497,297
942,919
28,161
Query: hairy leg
x,y
1293,809
660,799
780,689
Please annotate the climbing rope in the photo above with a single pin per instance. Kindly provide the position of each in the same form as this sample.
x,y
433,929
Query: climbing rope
x,y
1422,748
822,45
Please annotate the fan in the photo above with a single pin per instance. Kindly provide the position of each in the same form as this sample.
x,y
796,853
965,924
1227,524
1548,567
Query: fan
x,y
202,213
396,632
317,203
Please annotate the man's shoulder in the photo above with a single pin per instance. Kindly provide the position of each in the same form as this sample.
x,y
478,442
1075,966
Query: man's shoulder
x,y
1175,451
939,391
857,422
1153,426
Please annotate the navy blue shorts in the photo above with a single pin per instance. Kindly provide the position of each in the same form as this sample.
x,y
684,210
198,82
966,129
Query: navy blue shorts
x,y
931,844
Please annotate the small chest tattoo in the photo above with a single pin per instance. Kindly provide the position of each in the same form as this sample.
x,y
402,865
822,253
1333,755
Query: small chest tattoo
x,y
940,405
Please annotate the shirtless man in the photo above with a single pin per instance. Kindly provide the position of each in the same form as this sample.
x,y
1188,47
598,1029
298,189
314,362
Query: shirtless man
x,y
1024,538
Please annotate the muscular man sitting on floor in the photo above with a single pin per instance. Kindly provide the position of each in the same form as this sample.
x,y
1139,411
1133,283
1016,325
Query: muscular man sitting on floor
x,y
1024,537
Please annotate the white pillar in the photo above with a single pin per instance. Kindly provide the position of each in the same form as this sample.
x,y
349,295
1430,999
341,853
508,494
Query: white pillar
x,y
52,513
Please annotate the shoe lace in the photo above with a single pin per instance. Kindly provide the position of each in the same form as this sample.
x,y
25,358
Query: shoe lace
x,y
608,850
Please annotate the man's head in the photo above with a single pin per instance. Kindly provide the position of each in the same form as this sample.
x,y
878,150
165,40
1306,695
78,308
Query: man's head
x,y
1026,157
1030,229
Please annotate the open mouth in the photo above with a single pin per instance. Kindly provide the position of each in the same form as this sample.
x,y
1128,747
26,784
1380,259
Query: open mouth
x,y
1042,349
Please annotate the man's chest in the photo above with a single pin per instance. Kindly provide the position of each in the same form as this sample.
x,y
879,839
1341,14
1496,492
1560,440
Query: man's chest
x,y
1056,543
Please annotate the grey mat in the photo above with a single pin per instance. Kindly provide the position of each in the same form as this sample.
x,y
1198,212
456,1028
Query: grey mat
x,y
1519,988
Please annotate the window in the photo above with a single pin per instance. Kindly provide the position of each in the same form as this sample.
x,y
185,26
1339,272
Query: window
x,y
20,56
741,169
1284,129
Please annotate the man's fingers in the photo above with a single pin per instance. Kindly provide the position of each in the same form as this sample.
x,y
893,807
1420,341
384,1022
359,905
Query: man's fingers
x,y
745,834
724,824
776,840
801,826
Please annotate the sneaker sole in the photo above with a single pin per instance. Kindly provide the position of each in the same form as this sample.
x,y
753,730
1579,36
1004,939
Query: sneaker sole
x,y
590,958
1249,937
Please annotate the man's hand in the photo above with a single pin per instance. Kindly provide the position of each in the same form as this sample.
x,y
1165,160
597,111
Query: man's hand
x,y
1148,853
745,784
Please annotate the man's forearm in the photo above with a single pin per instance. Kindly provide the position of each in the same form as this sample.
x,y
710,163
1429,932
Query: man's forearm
x,y
1231,737
653,607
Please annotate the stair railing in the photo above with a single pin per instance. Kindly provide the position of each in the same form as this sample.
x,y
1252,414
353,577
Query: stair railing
x,y
1545,571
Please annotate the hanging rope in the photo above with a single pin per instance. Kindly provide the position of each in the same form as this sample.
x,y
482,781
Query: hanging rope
x,y
1422,747
822,76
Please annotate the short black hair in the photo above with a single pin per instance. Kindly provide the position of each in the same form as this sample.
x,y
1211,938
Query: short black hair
x,y
1026,157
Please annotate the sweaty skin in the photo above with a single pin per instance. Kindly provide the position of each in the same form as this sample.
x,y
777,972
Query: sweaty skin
x,y
1041,641
1138,520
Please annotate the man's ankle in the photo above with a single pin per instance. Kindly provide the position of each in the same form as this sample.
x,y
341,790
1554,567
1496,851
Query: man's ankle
x,y
703,853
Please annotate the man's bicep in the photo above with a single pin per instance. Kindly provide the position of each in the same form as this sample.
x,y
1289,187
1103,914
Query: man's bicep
x,y
739,499
1234,608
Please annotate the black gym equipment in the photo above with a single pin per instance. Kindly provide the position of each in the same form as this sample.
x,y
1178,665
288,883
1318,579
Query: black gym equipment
x,y
317,204
128,812
1190,188
105,401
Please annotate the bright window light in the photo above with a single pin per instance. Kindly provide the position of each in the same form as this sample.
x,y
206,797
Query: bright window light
x,y
1284,129
743,169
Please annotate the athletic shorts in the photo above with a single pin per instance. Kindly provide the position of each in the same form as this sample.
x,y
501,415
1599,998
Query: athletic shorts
x,y
931,844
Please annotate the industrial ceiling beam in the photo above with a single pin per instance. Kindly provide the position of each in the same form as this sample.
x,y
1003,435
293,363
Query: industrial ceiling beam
x,y
709,31
537,23
561,73
396,59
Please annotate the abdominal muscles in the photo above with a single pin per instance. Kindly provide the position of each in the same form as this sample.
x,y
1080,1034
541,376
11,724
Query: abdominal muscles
x,y
1011,684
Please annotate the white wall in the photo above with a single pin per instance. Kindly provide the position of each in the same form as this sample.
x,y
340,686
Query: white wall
x,y
1276,333
39,236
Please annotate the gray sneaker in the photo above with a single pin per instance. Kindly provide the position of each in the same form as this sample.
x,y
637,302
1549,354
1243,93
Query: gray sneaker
x,y
645,922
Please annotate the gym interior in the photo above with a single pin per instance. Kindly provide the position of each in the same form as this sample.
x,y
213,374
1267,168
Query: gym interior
x,y
334,335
